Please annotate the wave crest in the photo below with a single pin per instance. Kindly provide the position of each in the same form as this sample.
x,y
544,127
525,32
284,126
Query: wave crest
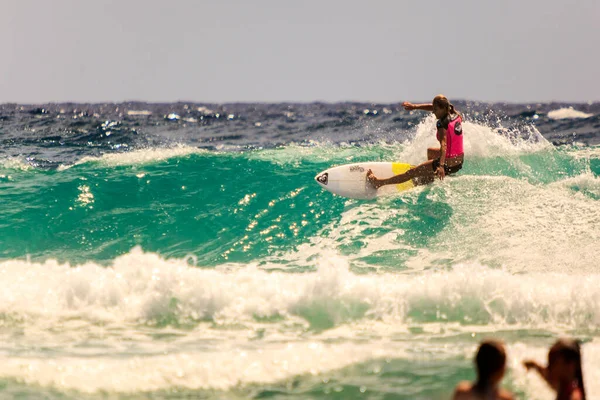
x,y
145,288
568,113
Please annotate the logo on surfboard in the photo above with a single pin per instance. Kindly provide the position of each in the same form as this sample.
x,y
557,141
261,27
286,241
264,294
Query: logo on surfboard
x,y
323,178
357,168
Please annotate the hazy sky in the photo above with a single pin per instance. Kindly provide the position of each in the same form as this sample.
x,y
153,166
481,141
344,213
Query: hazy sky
x,y
283,50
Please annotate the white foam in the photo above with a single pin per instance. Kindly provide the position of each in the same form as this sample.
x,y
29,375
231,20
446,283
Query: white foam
x,y
14,163
587,152
479,141
222,369
320,152
525,227
142,156
144,287
139,112
586,183
226,368
94,319
492,220
497,221
568,113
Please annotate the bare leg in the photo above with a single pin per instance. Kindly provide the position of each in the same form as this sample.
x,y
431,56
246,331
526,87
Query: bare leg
x,y
433,153
421,175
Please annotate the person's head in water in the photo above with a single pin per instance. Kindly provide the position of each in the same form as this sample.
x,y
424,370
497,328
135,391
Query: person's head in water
x,y
564,365
442,107
491,364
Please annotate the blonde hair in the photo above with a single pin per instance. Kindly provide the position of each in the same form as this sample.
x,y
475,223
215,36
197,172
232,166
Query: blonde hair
x,y
442,102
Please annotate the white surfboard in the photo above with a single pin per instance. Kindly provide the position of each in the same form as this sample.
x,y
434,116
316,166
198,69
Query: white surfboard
x,y
350,180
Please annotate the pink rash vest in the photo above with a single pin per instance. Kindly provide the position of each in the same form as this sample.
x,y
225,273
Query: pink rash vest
x,y
454,137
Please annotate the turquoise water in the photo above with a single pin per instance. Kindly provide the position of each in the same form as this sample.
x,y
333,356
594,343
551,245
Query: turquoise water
x,y
173,272
237,207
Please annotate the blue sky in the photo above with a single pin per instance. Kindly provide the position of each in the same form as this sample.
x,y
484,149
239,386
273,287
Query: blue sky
x,y
270,51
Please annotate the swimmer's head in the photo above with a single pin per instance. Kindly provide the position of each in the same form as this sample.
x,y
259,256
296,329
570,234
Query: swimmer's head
x,y
564,363
442,106
490,362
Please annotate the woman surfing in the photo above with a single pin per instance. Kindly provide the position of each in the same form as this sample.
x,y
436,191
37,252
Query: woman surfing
x,y
442,161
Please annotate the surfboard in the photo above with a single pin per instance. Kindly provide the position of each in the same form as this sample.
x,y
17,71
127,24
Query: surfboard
x,y
350,180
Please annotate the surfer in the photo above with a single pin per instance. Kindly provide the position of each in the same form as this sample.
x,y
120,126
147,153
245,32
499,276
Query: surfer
x,y
564,373
442,161
490,363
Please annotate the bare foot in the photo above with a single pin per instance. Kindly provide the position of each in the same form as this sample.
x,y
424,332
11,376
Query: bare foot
x,y
373,180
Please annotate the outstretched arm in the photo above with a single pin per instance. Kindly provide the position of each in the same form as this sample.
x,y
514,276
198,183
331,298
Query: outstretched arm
x,y
530,364
410,106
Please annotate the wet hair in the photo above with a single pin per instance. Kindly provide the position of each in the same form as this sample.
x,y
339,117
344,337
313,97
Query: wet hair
x,y
490,358
570,351
442,101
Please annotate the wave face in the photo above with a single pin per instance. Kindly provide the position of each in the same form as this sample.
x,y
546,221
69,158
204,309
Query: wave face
x,y
185,251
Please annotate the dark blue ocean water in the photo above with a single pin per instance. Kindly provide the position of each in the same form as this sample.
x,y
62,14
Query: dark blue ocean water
x,y
53,134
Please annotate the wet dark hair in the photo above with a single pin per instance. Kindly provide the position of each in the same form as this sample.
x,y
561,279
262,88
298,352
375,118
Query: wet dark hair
x,y
570,351
490,358
442,102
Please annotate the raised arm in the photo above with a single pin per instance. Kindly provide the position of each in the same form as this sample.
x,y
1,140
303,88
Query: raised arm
x,y
532,365
425,106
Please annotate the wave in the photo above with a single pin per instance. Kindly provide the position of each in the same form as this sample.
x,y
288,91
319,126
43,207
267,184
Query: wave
x,y
497,221
15,164
221,369
586,184
568,113
139,112
247,206
244,206
138,157
301,369
179,325
479,141
145,288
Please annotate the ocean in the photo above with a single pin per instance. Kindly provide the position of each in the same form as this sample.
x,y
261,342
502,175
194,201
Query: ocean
x,y
184,250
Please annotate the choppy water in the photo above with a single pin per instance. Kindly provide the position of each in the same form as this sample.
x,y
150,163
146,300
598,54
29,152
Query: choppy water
x,y
184,250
